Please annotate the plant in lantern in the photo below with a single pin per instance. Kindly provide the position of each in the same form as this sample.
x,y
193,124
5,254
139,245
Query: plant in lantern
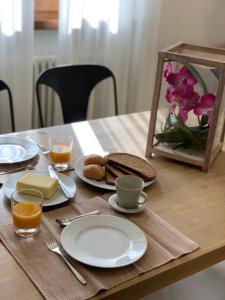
x,y
183,99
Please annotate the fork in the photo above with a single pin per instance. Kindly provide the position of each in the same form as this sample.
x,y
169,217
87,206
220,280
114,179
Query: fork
x,y
43,148
54,247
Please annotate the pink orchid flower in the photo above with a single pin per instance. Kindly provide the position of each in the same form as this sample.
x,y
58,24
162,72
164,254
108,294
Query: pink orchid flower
x,y
186,101
187,105
182,81
205,106
180,91
171,99
168,70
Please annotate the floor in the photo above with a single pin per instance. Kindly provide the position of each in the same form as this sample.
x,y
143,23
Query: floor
x,y
206,285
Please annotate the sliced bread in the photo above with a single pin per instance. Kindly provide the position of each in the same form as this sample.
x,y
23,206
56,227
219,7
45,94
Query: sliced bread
x,y
116,172
109,178
132,163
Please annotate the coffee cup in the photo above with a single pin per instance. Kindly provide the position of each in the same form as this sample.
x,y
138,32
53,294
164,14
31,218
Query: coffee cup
x,y
129,190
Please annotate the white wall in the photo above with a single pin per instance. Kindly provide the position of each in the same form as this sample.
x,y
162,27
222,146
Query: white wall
x,y
192,21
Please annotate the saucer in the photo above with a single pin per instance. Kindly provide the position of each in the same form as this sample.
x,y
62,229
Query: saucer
x,y
113,202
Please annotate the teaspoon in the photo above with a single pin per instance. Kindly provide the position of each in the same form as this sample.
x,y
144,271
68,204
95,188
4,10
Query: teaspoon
x,y
65,222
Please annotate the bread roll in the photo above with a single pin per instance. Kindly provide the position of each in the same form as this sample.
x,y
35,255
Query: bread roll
x,y
94,171
94,159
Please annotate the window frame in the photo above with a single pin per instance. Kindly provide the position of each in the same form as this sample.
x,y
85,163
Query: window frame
x,y
46,14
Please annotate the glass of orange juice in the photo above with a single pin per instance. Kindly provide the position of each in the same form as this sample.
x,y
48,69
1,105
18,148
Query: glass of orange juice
x,y
26,211
60,150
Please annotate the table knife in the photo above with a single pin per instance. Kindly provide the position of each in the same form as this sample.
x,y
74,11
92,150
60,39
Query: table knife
x,y
66,190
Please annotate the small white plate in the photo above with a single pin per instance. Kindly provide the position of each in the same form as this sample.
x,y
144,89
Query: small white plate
x,y
101,183
114,203
104,241
14,150
10,186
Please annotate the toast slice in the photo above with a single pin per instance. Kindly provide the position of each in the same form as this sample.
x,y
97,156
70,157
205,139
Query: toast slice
x,y
132,163
109,178
120,169
116,172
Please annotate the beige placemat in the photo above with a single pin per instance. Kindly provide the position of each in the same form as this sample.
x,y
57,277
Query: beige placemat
x,y
53,278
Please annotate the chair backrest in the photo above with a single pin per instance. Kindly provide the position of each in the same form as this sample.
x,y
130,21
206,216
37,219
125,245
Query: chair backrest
x,y
4,86
73,84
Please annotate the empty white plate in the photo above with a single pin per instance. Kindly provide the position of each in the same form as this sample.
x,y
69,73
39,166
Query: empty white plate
x,y
14,150
104,241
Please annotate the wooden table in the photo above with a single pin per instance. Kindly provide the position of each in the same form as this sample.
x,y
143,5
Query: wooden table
x,y
190,200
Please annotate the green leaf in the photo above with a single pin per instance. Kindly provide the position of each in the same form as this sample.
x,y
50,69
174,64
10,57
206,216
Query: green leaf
x,y
199,139
204,120
178,124
176,138
168,125
198,129
177,145
172,136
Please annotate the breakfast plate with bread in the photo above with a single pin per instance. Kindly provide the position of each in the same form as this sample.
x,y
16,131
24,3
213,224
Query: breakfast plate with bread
x,y
39,179
102,171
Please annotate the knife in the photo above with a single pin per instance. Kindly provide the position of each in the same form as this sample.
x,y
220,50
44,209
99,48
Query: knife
x,y
66,190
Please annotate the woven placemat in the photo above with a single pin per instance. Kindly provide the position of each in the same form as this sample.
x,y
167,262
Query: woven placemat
x,y
54,279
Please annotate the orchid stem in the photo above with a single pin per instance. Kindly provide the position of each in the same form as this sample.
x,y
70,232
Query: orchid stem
x,y
197,75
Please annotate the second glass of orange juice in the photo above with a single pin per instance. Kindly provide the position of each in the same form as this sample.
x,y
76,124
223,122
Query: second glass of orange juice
x,y
60,150
26,211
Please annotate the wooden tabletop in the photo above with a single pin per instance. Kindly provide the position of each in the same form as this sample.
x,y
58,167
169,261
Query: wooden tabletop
x,y
190,200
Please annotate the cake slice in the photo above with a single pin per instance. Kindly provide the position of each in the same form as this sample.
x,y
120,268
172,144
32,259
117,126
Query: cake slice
x,y
43,183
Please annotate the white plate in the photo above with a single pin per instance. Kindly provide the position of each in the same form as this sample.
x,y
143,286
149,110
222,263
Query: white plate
x,y
104,241
10,185
14,150
101,183
114,203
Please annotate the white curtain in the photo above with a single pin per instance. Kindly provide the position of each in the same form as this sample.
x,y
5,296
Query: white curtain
x,y
121,34
16,50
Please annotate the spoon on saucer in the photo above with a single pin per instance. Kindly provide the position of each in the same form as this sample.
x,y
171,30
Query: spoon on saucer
x,y
65,222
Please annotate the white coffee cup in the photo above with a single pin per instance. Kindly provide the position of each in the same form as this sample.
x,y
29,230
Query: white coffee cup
x,y
129,191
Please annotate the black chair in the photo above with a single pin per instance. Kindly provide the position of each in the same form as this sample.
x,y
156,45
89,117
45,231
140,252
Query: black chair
x,y
4,86
73,84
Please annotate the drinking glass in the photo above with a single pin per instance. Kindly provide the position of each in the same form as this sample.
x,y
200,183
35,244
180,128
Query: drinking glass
x,y
60,150
26,205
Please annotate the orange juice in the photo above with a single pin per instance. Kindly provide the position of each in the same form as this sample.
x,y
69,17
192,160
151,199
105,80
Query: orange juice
x,y
60,153
26,215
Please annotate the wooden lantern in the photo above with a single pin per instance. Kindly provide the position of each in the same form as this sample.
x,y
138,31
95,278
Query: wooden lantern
x,y
209,64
